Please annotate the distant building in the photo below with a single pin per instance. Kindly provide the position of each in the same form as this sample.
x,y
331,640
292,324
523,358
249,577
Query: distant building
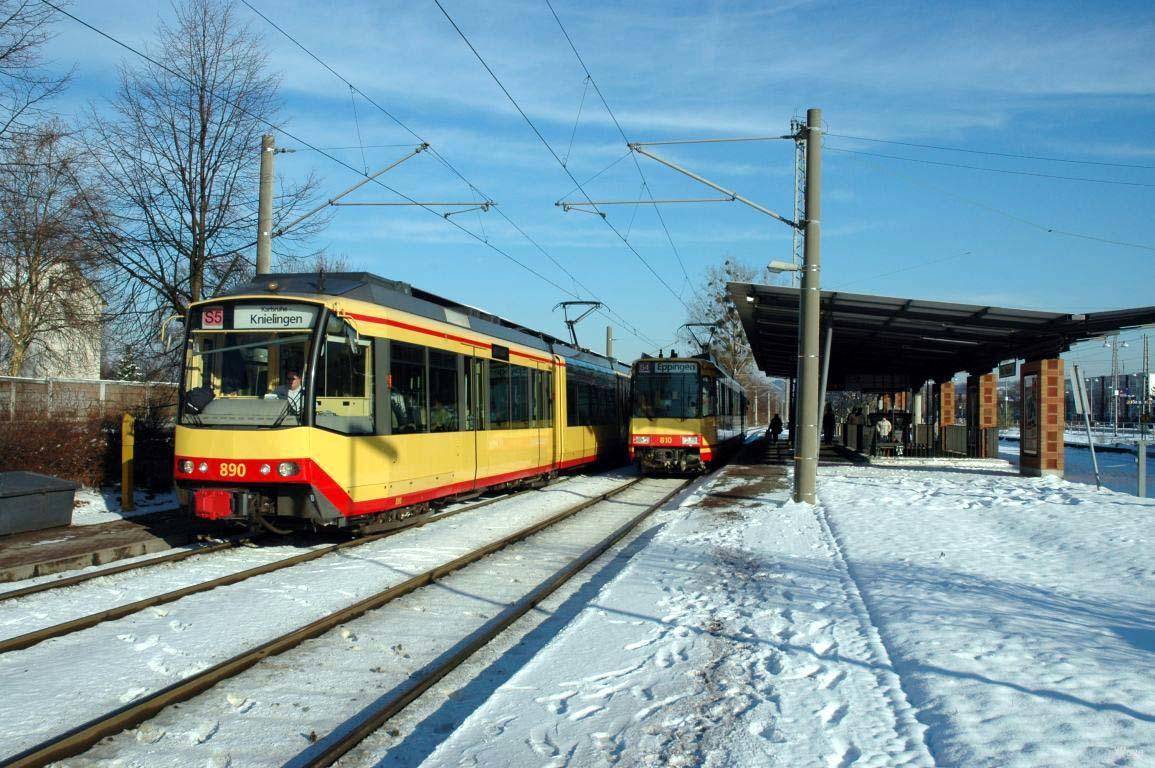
x,y
70,345
1131,393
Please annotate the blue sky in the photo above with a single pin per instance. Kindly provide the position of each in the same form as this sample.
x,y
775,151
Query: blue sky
x,y
1069,80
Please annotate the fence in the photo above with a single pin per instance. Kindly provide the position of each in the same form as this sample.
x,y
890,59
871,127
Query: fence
x,y
23,399
70,428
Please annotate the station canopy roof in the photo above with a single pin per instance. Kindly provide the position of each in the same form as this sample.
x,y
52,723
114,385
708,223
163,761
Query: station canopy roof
x,y
881,343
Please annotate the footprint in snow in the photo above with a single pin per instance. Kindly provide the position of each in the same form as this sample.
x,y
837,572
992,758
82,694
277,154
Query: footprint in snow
x,y
831,679
663,658
178,626
147,643
585,712
824,647
148,733
556,703
833,713
240,704
844,755
203,732
540,742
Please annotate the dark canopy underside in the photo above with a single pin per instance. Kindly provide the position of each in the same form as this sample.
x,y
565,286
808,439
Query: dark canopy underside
x,y
882,343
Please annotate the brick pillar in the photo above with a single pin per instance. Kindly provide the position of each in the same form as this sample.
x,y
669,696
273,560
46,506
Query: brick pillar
x,y
946,406
982,412
1043,419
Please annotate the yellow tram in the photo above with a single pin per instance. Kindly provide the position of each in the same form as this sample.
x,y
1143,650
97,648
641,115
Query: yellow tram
x,y
686,412
346,399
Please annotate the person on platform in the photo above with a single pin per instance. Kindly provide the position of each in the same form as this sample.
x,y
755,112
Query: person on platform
x,y
828,425
775,429
882,430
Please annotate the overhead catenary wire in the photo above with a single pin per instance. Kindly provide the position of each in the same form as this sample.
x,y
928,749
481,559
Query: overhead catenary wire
x,y
608,310
326,154
1007,171
990,153
618,125
1008,214
537,132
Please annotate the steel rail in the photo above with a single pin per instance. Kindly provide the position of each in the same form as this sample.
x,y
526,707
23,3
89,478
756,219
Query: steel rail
x,y
342,744
82,737
34,637
71,581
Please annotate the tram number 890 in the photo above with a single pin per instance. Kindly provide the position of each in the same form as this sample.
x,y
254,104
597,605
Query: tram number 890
x,y
233,469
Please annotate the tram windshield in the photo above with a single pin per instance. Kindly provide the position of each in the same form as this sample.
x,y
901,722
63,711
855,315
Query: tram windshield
x,y
247,377
667,391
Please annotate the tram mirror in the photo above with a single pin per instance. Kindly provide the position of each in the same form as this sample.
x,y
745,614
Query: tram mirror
x,y
353,338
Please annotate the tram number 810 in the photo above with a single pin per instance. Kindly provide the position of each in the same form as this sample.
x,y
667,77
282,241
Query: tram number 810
x,y
233,469
665,441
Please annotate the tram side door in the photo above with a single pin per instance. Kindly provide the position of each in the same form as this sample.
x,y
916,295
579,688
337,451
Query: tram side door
x,y
473,379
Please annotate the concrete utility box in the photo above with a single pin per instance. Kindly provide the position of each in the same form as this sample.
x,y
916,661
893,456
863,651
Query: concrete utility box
x,y
31,502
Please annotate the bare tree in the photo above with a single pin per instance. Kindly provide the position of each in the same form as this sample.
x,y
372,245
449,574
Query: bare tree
x,y
50,219
711,304
25,25
180,153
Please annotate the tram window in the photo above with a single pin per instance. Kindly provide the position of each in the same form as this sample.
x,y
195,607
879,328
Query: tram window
x,y
571,400
547,397
407,388
519,397
709,396
499,407
474,408
444,413
543,399
585,404
534,398
344,385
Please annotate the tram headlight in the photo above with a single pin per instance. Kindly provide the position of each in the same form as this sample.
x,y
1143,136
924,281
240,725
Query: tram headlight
x,y
266,469
203,467
187,466
691,440
288,468
641,439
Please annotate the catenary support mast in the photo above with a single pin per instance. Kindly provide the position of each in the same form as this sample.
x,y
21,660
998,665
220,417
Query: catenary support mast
x,y
806,444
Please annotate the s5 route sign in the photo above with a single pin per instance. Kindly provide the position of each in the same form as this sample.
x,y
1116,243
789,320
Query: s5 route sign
x,y
213,318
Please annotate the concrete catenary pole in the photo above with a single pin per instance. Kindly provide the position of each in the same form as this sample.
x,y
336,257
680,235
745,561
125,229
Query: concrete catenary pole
x,y
806,447
265,205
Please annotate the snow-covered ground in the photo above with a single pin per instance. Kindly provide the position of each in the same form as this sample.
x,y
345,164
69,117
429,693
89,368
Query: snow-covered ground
x,y
938,614
102,505
956,617
118,661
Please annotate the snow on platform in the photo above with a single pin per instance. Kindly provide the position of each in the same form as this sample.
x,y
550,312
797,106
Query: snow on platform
x,y
967,617
102,505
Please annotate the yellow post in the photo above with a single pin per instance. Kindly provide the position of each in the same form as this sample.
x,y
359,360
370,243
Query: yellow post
x,y
127,445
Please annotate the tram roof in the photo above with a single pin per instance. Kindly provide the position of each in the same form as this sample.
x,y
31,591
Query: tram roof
x,y
888,343
394,294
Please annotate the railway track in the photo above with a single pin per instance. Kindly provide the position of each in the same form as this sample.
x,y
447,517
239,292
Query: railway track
x,y
80,738
28,639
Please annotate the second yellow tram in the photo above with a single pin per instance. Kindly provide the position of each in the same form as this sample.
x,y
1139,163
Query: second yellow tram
x,y
686,413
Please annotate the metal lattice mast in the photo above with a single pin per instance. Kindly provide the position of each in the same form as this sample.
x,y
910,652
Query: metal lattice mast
x,y
796,128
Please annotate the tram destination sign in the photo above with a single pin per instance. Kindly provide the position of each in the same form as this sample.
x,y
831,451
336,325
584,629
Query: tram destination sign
x,y
261,317
657,367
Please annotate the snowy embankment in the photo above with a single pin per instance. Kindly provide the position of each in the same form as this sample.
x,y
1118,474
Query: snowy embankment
x,y
1123,440
918,616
